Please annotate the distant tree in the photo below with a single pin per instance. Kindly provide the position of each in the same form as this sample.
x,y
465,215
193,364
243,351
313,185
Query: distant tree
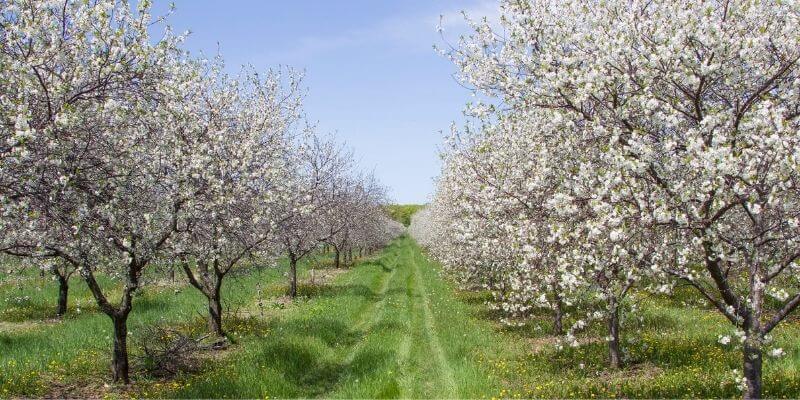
x,y
319,166
402,212
355,213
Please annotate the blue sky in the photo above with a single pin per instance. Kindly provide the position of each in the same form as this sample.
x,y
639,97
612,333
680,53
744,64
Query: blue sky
x,y
372,75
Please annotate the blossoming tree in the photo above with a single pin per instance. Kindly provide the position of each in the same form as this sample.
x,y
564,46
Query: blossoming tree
x,y
238,168
89,131
680,119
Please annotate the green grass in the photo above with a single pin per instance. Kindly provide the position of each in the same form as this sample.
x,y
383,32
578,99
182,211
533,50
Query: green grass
x,y
673,352
37,353
402,213
390,327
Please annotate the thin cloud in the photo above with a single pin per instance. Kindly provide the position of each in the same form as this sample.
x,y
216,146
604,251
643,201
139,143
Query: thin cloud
x,y
414,32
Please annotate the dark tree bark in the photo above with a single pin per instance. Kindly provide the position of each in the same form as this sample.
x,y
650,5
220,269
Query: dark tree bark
x,y
336,257
215,315
62,272
63,292
119,363
292,276
209,282
614,345
119,316
558,324
752,370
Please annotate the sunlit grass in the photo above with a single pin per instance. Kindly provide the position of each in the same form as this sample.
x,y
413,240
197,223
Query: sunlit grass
x,y
38,353
673,352
366,336
390,327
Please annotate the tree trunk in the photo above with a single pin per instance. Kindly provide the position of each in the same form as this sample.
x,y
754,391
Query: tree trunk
x,y
292,277
558,324
63,291
215,314
119,365
613,344
752,370
336,258
753,344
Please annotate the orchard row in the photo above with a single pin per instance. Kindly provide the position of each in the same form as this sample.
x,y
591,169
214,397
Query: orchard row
x,y
624,147
120,153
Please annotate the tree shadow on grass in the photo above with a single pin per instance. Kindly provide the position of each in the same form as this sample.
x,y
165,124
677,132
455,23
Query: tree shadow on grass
x,y
37,311
304,370
673,352
473,298
309,375
145,304
328,330
385,267
402,291
10,341
387,326
297,359
344,290
30,311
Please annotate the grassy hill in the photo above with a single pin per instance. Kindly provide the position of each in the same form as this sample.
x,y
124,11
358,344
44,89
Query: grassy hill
x,y
402,212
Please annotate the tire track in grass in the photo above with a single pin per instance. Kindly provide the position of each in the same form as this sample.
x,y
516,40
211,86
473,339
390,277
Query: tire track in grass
x,y
371,314
403,352
360,324
369,317
446,371
404,345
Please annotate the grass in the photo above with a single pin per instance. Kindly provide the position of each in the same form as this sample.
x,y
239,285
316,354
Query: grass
x,y
38,355
672,352
387,329
390,327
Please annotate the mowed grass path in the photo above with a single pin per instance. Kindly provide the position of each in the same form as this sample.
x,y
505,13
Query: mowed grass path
x,y
389,328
